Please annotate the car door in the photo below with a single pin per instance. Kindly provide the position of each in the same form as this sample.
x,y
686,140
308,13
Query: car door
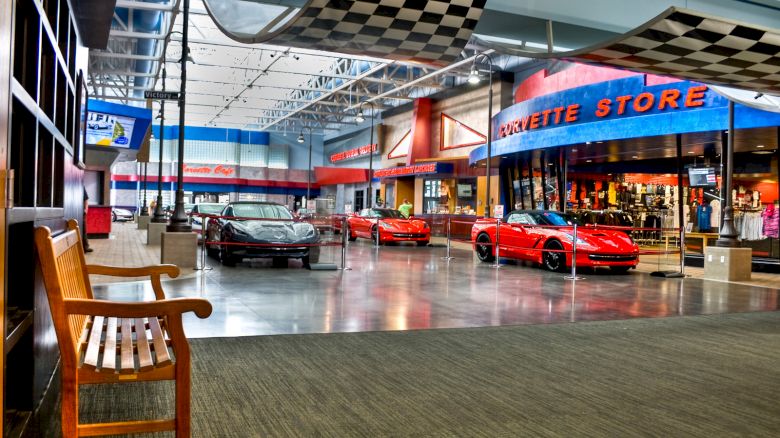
x,y
361,224
524,236
513,235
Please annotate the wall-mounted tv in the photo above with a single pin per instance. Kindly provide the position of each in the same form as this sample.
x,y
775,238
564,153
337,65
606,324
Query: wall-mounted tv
x,y
109,130
464,190
114,125
702,177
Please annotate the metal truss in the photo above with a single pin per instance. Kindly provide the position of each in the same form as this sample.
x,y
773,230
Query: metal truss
x,y
257,86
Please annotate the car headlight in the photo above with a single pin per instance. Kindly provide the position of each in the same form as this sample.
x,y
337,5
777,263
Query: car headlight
x,y
579,241
425,225
239,231
385,225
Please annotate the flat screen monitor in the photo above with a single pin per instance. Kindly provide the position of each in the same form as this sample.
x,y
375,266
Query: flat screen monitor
x,y
464,190
702,177
105,129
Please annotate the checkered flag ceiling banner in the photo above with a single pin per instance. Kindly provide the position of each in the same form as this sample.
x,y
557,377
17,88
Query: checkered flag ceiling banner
x,y
431,32
690,45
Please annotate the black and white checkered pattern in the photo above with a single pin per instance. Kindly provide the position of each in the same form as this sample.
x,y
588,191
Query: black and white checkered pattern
x,y
433,32
691,45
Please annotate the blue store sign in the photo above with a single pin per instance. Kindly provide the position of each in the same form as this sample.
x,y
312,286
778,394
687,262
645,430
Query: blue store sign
x,y
619,109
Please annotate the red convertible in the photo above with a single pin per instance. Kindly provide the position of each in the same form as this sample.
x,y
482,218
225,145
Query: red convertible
x,y
392,226
525,235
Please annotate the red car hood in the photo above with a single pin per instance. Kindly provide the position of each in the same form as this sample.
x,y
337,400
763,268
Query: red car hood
x,y
404,223
606,240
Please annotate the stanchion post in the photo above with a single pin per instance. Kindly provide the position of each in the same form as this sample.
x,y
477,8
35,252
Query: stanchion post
x,y
376,244
682,249
344,236
449,236
573,276
497,263
204,242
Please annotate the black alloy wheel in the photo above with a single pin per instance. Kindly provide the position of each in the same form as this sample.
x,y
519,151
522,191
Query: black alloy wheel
x,y
225,257
352,236
312,257
485,252
113,217
554,261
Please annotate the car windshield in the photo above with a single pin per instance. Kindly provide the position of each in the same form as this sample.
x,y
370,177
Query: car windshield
x,y
387,213
553,218
261,211
210,208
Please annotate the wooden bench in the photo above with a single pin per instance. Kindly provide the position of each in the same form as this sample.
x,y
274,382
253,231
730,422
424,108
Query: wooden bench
x,y
105,341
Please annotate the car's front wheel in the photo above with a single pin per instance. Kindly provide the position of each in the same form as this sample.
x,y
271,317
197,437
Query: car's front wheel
x,y
312,257
553,260
226,258
113,217
484,248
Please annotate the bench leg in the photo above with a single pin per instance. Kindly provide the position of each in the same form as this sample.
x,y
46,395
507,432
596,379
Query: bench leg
x,y
183,396
70,406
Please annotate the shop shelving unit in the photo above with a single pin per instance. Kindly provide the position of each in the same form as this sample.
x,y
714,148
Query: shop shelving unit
x,y
43,188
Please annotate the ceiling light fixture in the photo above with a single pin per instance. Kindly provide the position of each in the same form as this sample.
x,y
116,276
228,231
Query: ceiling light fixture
x,y
474,76
300,138
635,156
588,161
359,117
760,146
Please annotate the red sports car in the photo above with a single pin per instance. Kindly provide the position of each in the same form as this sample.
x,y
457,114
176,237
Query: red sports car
x,y
524,235
392,226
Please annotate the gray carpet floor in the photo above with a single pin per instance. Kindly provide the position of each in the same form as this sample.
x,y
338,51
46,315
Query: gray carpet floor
x,y
707,376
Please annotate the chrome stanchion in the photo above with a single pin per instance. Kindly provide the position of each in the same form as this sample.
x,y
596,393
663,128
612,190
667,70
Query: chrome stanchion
x,y
344,236
449,226
573,276
376,244
497,263
204,241
682,249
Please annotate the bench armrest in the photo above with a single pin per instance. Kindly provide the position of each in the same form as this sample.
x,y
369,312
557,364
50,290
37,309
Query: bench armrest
x,y
128,309
154,271
140,271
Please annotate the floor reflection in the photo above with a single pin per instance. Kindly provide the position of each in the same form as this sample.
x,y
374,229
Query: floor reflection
x,y
410,288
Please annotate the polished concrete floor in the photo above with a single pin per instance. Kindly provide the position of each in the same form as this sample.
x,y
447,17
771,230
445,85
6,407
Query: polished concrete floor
x,y
405,288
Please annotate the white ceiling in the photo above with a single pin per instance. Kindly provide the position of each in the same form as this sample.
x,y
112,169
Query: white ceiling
x,y
257,86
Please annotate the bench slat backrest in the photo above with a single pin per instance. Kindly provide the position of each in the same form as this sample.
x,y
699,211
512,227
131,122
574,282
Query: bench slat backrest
x,y
65,276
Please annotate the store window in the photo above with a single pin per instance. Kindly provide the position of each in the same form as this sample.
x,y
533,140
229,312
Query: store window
x,y
359,204
466,192
431,195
